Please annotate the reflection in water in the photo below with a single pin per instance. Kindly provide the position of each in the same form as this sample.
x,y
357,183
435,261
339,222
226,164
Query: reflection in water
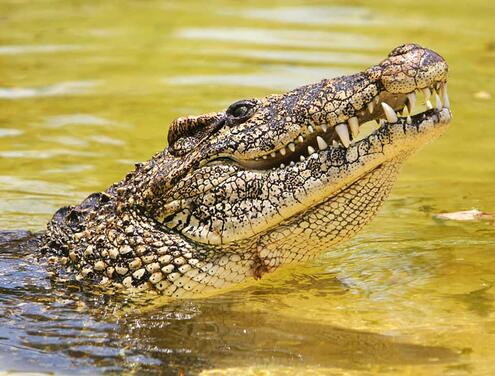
x,y
73,327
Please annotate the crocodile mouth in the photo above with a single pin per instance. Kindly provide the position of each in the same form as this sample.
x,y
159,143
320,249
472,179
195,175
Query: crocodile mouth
x,y
384,109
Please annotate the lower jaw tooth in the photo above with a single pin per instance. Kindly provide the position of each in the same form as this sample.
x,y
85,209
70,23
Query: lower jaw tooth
x,y
408,120
389,113
354,126
301,158
321,143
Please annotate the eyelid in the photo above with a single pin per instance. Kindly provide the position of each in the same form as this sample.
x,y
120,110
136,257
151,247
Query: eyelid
x,y
249,104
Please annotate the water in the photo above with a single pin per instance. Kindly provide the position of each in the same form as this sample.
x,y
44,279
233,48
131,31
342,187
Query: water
x,y
88,88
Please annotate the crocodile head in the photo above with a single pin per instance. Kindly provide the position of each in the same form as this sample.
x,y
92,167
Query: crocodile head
x,y
268,181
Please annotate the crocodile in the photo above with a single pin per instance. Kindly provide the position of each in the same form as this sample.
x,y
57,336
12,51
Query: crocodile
x,y
265,183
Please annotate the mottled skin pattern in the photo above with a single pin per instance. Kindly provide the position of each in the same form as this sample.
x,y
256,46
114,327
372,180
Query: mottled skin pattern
x,y
238,193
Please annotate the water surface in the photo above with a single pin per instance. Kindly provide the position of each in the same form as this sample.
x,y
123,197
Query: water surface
x,y
89,88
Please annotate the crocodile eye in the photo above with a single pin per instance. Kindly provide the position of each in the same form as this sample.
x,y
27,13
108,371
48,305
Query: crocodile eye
x,y
241,109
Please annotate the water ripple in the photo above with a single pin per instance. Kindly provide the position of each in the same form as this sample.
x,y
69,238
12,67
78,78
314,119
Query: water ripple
x,y
58,89
274,78
336,15
30,49
295,38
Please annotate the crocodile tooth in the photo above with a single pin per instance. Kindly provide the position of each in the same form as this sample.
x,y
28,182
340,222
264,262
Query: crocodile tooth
x,y
408,120
335,143
310,129
411,102
311,150
324,127
302,158
273,154
291,147
446,101
321,143
265,157
429,106
371,107
343,133
292,163
354,126
282,165
283,151
300,138
438,101
382,122
389,113
427,93
376,99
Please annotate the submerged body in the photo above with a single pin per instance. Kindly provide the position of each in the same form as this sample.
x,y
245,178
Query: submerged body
x,y
267,182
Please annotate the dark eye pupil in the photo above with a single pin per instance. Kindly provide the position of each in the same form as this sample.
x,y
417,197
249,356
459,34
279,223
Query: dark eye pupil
x,y
240,111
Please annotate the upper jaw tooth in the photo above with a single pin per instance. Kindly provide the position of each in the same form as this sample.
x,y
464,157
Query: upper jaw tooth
x,y
411,102
446,101
343,133
438,101
389,113
371,107
427,93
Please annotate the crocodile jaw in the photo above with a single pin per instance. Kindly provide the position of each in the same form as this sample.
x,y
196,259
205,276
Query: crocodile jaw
x,y
286,193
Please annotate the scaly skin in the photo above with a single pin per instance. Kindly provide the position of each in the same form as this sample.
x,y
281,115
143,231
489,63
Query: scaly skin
x,y
231,198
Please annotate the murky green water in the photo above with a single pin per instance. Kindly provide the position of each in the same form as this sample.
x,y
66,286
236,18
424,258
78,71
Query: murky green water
x,y
88,87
